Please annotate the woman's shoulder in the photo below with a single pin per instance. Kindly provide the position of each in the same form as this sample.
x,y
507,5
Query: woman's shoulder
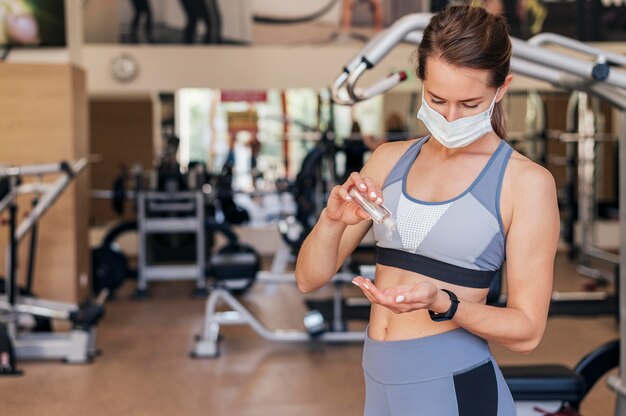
x,y
528,177
385,157
394,148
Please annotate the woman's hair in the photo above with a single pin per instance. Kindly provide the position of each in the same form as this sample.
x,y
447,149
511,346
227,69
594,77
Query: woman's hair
x,y
470,37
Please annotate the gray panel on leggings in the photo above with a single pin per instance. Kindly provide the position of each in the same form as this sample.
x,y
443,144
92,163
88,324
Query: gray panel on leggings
x,y
391,200
432,398
405,161
462,234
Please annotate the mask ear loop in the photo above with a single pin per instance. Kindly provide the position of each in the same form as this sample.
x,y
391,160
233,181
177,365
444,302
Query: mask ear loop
x,y
493,103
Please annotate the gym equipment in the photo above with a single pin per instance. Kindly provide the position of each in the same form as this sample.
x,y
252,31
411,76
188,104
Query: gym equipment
x,y
555,388
77,346
207,342
237,266
109,269
602,77
577,196
119,191
585,124
8,361
109,264
171,213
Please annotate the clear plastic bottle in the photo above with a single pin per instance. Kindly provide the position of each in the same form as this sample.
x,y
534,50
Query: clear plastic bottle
x,y
378,213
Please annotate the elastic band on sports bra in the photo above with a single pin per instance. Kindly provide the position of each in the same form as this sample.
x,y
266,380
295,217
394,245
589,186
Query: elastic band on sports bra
x,y
479,279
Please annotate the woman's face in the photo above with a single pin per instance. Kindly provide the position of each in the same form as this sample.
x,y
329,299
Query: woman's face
x,y
456,92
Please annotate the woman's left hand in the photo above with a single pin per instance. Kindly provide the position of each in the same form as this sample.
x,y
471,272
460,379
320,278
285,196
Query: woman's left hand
x,y
399,299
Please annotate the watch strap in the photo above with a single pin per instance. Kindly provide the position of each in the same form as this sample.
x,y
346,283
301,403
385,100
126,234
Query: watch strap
x,y
449,314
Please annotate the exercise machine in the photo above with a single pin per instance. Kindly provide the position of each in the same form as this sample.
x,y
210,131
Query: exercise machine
x,y
207,343
586,134
77,346
553,388
171,213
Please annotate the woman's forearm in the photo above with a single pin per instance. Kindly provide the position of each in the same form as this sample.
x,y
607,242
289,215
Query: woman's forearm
x,y
317,260
509,327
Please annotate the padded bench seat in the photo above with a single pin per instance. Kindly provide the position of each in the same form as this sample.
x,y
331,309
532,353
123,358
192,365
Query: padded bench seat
x,y
544,382
234,265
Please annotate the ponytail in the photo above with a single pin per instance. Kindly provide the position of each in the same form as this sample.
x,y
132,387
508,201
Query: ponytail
x,y
498,120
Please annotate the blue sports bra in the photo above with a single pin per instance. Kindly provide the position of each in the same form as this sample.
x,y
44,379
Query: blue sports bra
x,y
459,241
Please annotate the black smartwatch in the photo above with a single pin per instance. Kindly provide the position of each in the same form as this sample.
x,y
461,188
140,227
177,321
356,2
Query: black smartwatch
x,y
446,316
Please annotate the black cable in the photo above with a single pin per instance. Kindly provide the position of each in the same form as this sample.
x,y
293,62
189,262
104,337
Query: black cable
x,y
271,20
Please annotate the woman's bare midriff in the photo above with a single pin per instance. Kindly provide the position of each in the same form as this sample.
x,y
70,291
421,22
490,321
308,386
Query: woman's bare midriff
x,y
386,325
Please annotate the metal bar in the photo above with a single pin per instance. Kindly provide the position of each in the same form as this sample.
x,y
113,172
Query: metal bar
x,y
31,170
585,170
336,88
170,272
63,307
600,254
530,60
337,323
171,207
617,382
278,335
395,34
200,243
534,70
289,278
11,277
169,196
407,29
41,311
30,188
49,198
380,87
564,62
552,38
4,203
170,225
105,194
142,281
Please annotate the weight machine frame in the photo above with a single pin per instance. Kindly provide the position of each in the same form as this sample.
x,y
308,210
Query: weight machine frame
x,y
207,343
77,346
191,205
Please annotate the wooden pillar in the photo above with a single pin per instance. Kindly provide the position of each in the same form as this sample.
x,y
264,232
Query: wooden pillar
x,y
121,133
43,119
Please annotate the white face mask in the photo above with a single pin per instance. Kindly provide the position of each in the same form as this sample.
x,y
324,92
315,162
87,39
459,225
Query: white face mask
x,y
459,132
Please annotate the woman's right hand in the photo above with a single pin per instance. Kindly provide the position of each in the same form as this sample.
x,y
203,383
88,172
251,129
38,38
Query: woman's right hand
x,y
341,206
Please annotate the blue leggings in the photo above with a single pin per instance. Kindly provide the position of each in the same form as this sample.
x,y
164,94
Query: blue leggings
x,y
449,374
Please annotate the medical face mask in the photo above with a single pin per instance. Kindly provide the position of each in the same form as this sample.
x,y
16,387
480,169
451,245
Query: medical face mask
x,y
460,132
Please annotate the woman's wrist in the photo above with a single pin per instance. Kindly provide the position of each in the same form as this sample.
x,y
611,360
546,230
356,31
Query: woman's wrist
x,y
441,303
329,222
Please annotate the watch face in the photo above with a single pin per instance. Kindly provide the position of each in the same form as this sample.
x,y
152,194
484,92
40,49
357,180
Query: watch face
x,y
124,68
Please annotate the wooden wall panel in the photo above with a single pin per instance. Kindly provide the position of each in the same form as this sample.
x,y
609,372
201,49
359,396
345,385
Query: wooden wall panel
x,y
43,120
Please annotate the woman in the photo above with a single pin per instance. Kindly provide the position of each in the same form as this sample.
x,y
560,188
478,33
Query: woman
x,y
463,200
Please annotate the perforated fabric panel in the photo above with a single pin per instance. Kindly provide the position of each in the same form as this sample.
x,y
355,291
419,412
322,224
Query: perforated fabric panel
x,y
414,221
